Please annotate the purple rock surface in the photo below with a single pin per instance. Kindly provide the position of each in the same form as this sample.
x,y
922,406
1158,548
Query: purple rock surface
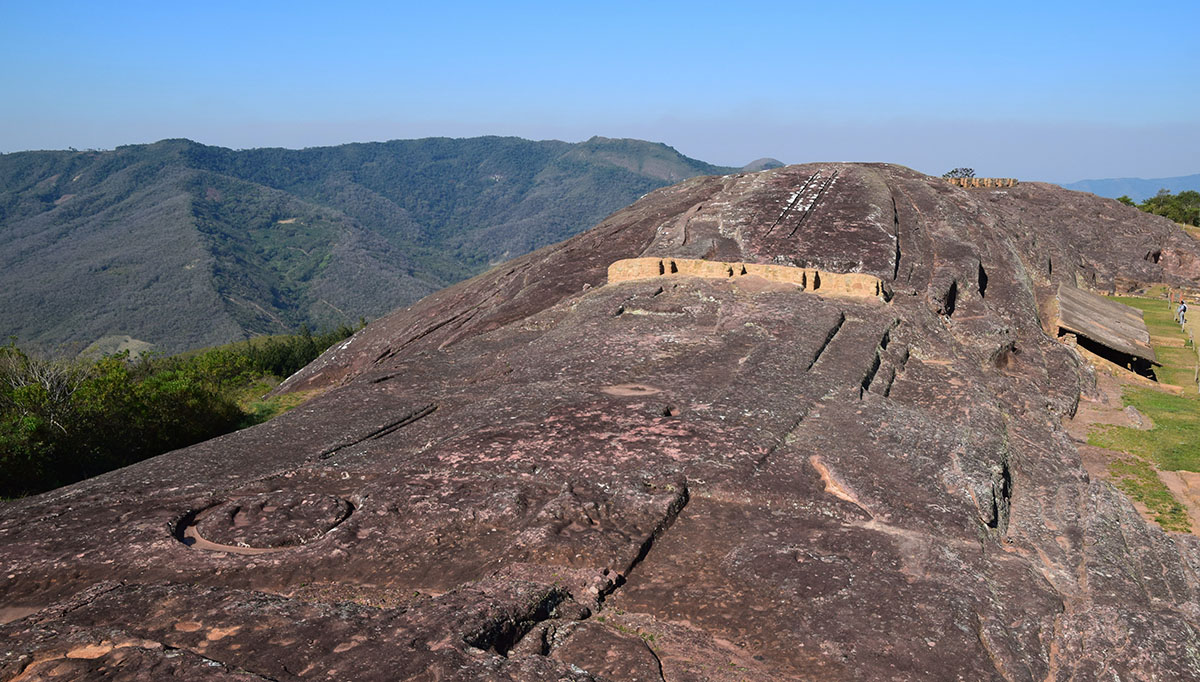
x,y
536,475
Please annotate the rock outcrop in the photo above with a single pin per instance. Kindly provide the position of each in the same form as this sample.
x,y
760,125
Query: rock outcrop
x,y
542,474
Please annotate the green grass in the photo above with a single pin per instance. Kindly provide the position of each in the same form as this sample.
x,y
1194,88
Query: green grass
x,y
1137,479
1174,442
1178,364
263,408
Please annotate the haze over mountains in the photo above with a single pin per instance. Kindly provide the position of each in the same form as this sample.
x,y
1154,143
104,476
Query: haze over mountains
x,y
1138,189
184,245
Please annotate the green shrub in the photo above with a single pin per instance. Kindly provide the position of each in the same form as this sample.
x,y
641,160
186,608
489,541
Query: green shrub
x,y
65,420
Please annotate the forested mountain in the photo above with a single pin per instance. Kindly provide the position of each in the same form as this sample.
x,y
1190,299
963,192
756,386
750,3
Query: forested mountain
x,y
184,245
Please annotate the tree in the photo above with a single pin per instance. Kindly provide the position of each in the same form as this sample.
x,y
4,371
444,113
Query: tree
x,y
959,173
1182,208
1124,199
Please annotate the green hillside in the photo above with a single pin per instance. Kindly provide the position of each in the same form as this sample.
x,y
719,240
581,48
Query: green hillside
x,y
183,245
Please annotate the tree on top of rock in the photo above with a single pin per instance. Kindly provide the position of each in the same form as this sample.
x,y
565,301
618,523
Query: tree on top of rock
x,y
960,173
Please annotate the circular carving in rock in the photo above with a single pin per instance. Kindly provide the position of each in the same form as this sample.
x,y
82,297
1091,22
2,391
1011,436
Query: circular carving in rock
x,y
265,522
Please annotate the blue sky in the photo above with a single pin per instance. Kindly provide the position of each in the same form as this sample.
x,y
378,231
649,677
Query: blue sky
x,y
1036,90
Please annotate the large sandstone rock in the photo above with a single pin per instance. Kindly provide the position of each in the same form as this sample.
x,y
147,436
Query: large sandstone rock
x,y
539,475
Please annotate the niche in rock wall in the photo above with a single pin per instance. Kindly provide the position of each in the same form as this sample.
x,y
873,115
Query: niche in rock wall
x,y
1002,489
949,299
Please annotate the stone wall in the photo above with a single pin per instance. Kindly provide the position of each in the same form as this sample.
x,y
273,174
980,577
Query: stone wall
x,y
982,182
853,285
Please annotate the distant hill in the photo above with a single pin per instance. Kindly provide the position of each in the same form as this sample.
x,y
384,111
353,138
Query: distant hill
x,y
765,163
182,245
1136,188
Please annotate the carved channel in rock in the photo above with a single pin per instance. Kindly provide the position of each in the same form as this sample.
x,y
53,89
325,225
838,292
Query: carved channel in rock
x,y
812,204
886,382
793,200
890,360
895,238
268,522
630,390
832,332
865,384
400,422
680,500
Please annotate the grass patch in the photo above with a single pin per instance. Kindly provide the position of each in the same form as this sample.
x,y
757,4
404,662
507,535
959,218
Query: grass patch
x,y
263,408
1137,479
1154,292
1174,442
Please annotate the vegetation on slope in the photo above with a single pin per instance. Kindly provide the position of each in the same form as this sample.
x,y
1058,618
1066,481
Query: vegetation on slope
x,y
1174,442
183,245
1183,208
65,420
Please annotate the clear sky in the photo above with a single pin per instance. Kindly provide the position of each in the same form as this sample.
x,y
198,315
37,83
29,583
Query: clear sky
x,y
1056,91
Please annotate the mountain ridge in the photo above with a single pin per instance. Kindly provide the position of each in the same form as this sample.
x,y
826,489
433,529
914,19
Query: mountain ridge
x,y
1138,189
266,240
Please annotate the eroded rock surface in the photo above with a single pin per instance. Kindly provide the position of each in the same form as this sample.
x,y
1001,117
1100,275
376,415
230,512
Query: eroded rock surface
x,y
539,475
